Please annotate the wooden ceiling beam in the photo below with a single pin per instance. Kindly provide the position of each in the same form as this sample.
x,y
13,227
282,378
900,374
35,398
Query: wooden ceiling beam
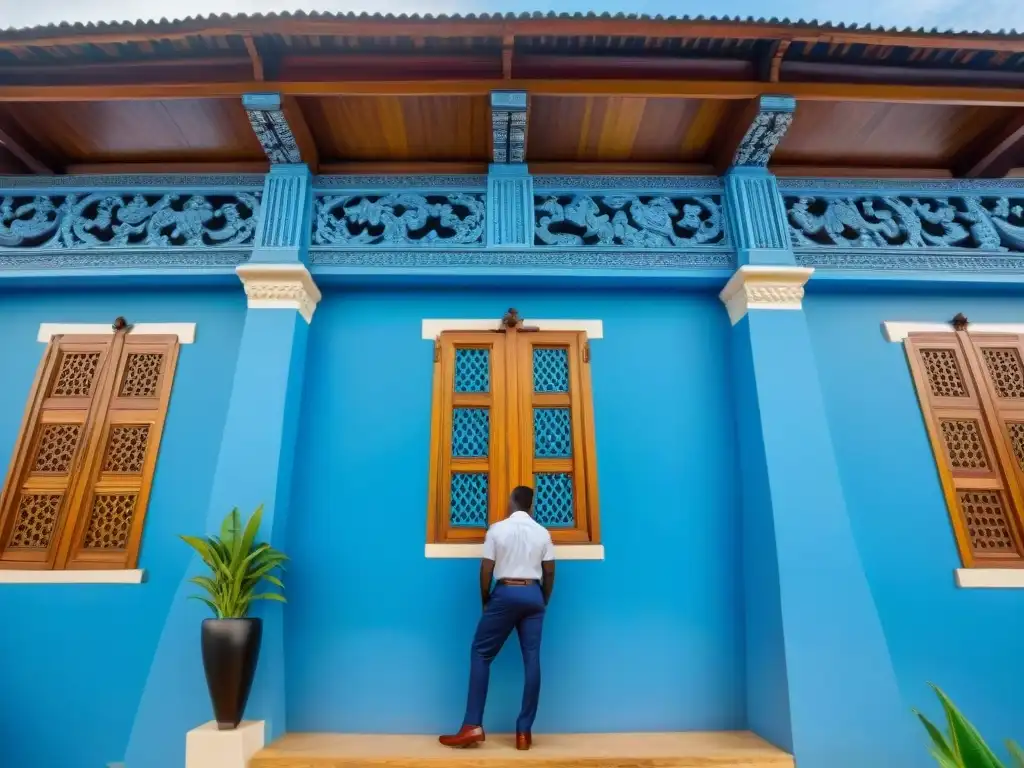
x,y
254,57
995,154
670,89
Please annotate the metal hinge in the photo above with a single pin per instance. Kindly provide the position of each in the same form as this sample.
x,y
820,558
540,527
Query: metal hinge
x,y
586,352
437,349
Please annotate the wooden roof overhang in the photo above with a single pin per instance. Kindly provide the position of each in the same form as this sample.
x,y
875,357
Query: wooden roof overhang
x,y
607,94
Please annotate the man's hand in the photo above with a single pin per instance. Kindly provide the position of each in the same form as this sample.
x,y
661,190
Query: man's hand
x,y
486,575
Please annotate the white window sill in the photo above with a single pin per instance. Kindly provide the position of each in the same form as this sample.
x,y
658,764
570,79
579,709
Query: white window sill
x,y
990,578
475,551
18,576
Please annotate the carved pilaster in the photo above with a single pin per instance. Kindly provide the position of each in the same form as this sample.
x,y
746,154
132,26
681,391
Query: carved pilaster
x,y
280,286
756,217
761,287
508,124
509,206
271,127
284,230
769,124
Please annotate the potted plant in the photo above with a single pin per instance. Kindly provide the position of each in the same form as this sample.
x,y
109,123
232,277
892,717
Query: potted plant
x,y
231,641
963,746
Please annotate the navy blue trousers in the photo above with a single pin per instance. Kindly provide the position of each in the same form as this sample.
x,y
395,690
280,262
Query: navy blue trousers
x,y
510,607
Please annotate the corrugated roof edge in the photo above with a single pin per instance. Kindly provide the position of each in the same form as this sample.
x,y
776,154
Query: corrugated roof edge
x,y
200,22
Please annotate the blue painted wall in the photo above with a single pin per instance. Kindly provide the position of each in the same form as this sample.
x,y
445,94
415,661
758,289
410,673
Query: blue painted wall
x,y
377,636
78,653
968,641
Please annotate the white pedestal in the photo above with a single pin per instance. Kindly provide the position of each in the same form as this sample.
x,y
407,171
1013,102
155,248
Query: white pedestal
x,y
206,747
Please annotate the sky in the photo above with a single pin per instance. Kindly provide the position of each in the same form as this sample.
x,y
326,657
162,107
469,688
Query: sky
x,y
945,14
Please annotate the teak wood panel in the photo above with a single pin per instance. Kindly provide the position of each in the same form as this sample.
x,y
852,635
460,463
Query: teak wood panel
x,y
978,471
379,128
621,129
876,133
185,130
78,486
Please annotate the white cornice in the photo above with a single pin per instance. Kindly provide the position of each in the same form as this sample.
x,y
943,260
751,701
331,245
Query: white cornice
x,y
764,287
434,327
280,286
990,578
186,332
84,576
476,551
898,330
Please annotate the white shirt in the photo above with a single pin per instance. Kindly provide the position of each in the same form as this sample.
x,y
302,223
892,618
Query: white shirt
x,y
518,545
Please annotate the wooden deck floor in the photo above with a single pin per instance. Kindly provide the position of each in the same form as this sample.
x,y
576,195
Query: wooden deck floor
x,y
603,750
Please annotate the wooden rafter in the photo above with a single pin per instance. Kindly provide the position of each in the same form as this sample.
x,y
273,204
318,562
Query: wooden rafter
x,y
254,57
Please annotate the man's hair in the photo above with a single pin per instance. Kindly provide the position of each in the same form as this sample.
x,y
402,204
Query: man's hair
x,y
522,498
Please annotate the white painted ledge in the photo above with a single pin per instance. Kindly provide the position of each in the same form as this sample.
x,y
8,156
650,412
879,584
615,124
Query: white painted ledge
x,y
206,747
82,576
990,578
899,330
279,286
433,327
476,551
186,332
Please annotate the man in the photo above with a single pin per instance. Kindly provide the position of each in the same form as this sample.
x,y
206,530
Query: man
x,y
519,554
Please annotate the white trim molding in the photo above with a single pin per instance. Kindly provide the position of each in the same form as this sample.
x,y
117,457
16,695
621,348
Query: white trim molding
x,y
280,286
899,330
83,576
990,578
476,551
432,327
755,286
186,332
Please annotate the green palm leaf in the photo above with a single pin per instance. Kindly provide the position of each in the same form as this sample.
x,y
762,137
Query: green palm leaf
x,y
238,564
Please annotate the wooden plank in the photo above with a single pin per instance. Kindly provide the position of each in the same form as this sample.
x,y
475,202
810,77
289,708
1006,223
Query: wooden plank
x,y
15,144
598,750
168,167
868,172
673,89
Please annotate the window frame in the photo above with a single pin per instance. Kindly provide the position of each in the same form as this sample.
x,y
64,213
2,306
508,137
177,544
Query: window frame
x,y
511,460
99,413
980,404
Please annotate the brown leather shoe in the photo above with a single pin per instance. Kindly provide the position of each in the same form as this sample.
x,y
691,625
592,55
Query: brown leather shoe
x,y
524,740
468,736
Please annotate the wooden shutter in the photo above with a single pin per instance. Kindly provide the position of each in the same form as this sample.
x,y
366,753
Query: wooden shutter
x,y
118,475
41,492
555,433
972,459
999,358
78,486
468,453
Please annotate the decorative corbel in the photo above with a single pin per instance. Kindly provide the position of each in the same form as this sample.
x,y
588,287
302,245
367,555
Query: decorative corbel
x,y
763,125
281,129
508,126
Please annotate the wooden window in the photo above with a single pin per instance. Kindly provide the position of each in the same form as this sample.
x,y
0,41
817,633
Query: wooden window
x,y
971,390
79,480
512,408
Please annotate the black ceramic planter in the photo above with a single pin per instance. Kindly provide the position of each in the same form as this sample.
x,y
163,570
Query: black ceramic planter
x,y
231,648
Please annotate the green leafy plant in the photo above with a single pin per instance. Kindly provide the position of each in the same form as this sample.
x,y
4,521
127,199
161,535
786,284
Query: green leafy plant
x,y
238,565
962,746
